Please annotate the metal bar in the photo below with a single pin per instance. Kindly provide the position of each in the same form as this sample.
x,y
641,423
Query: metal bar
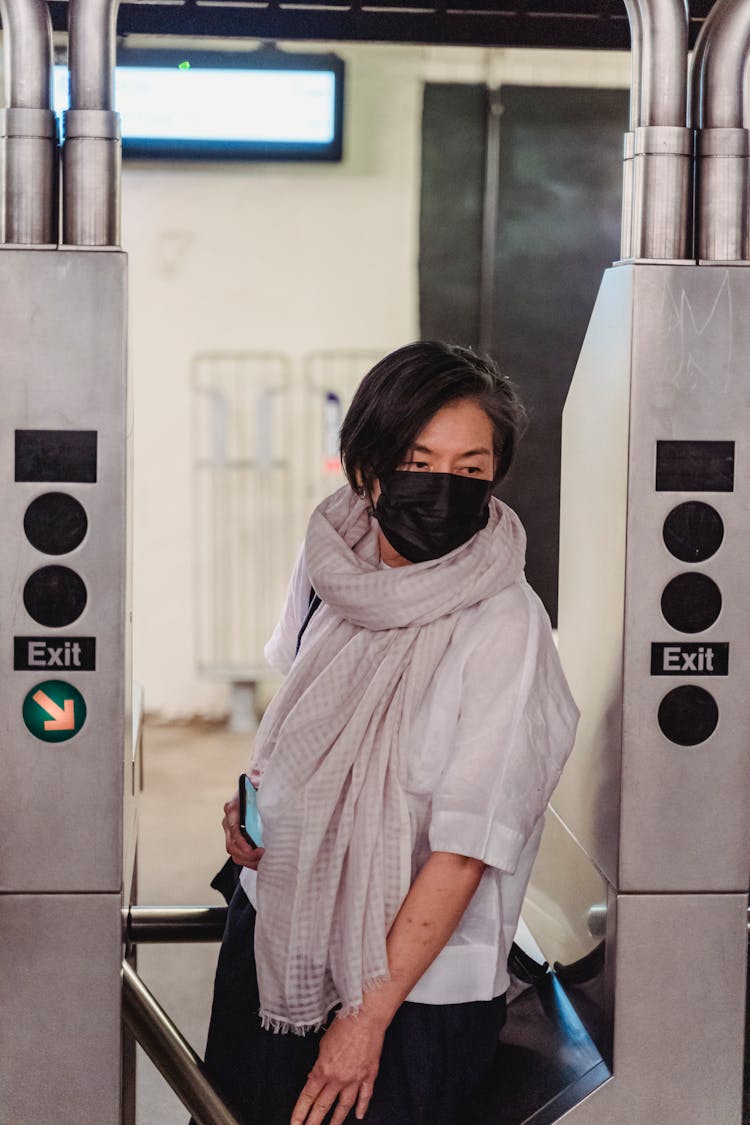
x,y
489,221
170,1052
174,923
628,170
28,131
92,151
482,29
659,148
662,89
722,172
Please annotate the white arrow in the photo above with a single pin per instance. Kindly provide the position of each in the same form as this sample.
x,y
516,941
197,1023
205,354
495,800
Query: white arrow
x,y
63,718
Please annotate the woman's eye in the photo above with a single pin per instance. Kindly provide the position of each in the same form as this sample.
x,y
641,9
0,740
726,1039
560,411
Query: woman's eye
x,y
416,465
470,469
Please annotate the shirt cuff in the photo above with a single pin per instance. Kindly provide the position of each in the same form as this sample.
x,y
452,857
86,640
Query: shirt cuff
x,y
477,836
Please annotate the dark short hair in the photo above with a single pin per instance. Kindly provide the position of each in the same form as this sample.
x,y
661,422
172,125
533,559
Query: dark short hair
x,y
405,389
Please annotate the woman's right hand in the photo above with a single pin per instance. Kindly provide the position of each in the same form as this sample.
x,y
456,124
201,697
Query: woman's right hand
x,y
237,845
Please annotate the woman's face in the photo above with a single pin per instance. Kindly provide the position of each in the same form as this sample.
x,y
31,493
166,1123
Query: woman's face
x,y
458,439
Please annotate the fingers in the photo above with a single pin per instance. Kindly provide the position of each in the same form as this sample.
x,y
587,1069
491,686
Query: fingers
x,y
316,1100
363,1100
236,845
347,1098
306,1101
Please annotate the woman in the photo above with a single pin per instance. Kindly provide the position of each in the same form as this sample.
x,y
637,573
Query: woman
x,y
405,766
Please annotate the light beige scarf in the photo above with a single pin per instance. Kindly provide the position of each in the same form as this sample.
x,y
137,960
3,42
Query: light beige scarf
x,y
331,753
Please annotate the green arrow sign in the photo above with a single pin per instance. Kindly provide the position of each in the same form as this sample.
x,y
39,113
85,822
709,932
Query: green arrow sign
x,y
54,711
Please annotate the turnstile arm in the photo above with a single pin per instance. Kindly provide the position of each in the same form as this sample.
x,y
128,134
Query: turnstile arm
x,y
170,1052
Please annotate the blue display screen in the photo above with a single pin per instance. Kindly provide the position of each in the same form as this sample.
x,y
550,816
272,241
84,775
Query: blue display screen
x,y
177,109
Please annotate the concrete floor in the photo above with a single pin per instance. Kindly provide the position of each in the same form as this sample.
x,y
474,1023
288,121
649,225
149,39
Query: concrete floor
x,y
189,771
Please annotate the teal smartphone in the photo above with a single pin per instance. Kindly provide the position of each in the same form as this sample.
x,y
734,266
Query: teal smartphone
x,y
250,823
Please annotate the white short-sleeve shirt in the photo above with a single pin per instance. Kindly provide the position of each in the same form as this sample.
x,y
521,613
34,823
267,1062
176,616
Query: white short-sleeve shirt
x,y
487,747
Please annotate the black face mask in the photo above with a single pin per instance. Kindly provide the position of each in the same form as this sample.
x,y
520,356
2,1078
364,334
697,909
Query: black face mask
x,y
425,515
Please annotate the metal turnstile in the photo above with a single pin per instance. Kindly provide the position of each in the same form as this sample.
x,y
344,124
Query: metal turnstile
x,y
640,890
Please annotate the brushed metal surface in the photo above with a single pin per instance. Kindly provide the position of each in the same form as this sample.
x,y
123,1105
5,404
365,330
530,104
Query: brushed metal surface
x,y
91,180
662,180
28,137
717,96
663,36
684,811
62,323
91,53
60,997
592,569
721,59
656,184
171,1053
27,31
28,183
92,151
722,177
679,1014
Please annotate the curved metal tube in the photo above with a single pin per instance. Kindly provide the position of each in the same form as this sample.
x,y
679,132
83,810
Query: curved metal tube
x,y
723,164
663,84
658,149
28,37
633,8
719,76
91,53
28,130
696,66
170,1052
91,153
628,167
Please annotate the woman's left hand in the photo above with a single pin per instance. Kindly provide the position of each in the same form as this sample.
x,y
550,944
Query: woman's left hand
x,y
347,1063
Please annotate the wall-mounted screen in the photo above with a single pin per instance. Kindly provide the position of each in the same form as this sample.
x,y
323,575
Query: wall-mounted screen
x,y
255,105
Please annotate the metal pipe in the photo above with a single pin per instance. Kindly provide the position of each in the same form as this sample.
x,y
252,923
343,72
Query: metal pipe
x,y
628,170
662,145
722,65
28,128
723,158
92,150
663,83
696,65
489,222
174,923
28,43
170,1052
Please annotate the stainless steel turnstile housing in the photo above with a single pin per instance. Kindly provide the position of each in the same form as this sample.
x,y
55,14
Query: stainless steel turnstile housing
x,y
65,806
659,416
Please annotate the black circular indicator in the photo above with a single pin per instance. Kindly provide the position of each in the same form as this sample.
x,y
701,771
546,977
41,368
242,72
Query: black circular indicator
x,y
55,523
693,531
688,715
691,602
54,596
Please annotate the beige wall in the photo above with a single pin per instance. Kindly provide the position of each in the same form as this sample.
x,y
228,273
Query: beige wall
x,y
282,257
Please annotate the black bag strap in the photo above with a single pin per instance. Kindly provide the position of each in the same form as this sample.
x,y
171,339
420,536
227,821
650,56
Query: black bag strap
x,y
313,602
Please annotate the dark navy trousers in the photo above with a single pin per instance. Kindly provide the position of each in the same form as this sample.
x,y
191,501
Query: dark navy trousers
x,y
434,1055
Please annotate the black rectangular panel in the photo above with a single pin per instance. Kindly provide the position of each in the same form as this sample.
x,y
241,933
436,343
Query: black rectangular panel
x,y
56,654
56,455
695,466
711,658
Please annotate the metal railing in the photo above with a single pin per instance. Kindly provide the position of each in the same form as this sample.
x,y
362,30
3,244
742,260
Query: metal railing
x,y
150,1025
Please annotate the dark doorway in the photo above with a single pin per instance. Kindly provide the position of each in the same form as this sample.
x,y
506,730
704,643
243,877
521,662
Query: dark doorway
x,y
515,268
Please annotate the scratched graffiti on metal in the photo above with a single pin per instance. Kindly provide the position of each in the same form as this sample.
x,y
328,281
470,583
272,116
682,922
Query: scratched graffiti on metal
x,y
702,337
